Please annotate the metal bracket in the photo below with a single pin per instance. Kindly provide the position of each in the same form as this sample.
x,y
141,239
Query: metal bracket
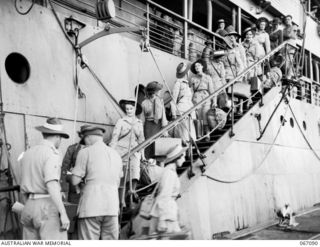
x,y
109,31
258,117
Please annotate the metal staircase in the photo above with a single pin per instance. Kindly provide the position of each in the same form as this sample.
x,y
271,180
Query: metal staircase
x,y
203,145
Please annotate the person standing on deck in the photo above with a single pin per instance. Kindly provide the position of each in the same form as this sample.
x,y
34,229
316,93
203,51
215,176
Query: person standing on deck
x,y
276,34
263,37
221,26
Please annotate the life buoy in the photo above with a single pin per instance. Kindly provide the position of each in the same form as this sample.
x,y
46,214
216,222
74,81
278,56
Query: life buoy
x,y
105,10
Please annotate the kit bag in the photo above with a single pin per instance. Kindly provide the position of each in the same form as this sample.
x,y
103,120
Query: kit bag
x,y
162,145
144,173
147,203
256,84
223,101
217,118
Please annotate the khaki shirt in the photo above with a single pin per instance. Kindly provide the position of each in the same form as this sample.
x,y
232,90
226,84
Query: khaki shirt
x,y
101,166
39,165
182,96
121,134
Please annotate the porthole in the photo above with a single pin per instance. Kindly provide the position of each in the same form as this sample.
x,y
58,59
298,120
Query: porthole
x,y
291,122
17,67
282,120
304,125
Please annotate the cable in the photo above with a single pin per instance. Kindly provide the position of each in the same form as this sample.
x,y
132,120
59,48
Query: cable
x,y
60,25
274,111
256,168
304,137
28,10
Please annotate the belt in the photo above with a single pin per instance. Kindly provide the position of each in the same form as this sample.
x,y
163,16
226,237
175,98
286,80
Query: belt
x,y
33,196
199,90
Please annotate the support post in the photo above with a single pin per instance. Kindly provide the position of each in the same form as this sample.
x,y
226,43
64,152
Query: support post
x,y
209,15
185,28
190,10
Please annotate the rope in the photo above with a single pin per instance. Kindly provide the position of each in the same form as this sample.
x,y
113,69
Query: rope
x,y
147,186
60,25
76,106
27,11
304,137
256,168
128,170
113,100
77,52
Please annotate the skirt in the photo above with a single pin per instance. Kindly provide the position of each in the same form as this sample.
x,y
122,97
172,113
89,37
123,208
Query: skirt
x,y
150,129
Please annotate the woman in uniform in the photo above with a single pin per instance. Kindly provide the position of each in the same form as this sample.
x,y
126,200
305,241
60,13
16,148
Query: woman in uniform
x,y
128,132
202,86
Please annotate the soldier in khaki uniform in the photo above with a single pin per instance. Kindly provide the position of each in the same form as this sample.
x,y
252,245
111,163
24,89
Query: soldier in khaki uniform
x,y
101,166
44,215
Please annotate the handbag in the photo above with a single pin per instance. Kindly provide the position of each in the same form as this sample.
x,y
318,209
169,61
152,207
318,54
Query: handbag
x,y
147,203
144,173
217,118
256,84
223,101
161,145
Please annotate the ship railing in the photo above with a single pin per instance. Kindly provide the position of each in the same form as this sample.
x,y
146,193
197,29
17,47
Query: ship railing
x,y
240,77
167,30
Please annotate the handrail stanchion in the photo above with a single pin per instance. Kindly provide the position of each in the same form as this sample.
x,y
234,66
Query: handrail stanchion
x,y
262,89
148,20
185,29
231,134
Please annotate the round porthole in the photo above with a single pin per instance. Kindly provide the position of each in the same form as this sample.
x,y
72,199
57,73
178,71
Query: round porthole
x,y
17,67
291,122
282,120
304,125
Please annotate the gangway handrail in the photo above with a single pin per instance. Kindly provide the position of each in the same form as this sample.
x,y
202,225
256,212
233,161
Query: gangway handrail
x,y
151,139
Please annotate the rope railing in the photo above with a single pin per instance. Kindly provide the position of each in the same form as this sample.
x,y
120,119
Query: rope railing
x,y
207,99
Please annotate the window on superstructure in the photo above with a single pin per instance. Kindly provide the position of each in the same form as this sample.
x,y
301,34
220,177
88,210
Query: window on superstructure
x,y
314,9
306,65
315,70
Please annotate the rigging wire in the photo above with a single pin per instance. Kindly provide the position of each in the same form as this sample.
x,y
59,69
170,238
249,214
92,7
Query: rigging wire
x,y
60,25
27,11
128,167
304,137
260,164
86,65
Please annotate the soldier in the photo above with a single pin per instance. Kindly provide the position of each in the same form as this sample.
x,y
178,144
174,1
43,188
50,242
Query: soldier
x,y
101,166
68,163
44,215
